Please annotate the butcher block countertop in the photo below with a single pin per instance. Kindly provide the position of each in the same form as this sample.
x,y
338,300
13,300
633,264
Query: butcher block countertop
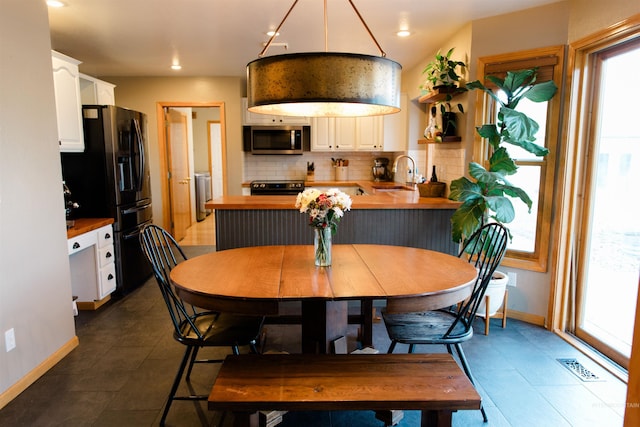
x,y
84,225
387,195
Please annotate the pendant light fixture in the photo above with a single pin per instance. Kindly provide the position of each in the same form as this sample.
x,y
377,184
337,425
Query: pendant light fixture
x,y
323,84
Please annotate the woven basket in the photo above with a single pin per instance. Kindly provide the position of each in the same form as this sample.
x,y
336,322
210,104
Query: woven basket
x,y
432,189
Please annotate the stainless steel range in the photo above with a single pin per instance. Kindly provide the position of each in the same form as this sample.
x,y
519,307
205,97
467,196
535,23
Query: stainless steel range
x,y
276,188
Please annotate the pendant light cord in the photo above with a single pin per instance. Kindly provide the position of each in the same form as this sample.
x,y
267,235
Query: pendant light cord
x,y
382,53
326,32
275,33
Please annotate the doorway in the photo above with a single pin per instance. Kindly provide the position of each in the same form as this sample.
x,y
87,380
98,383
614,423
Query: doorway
x,y
192,140
608,253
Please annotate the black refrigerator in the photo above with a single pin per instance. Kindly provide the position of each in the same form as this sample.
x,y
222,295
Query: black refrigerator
x,y
110,179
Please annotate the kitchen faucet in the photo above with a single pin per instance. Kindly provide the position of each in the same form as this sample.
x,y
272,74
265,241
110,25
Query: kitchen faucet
x,y
394,169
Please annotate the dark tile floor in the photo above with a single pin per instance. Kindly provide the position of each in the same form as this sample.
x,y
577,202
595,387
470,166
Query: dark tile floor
x,y
122,370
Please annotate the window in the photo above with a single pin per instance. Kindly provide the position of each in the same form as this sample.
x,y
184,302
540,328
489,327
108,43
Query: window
x,y
531,232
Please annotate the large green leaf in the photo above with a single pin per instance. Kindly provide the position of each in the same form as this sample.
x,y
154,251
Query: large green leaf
x,y
477,84
466,219
518,193
477,171
501,162
519,126
542,91
497,81
490,131
502,208
485,178
517,79
531,147
462,190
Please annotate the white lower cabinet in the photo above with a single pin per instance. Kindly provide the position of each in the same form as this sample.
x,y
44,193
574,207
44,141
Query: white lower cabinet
x,y
93,270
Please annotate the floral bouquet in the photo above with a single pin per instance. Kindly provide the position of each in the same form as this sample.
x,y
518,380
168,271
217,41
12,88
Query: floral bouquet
x,y
325,209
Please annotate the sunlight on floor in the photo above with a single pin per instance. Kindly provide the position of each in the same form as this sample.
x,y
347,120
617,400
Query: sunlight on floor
x,y
201,233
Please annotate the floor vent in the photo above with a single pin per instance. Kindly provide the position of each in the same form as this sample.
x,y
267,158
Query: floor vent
x,y
579,370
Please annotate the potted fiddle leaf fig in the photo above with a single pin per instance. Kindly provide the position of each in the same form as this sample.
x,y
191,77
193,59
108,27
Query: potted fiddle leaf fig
x,y
487,195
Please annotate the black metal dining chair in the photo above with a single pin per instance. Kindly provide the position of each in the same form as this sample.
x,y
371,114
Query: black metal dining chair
x,y
192,327
453,325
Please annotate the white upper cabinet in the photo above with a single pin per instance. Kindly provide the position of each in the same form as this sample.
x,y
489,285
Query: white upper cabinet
x,y
66,81
346,133
375,133
333,134
96,92
249,118
323,134
370,133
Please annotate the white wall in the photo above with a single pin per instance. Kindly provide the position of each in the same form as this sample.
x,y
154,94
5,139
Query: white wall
x,y
590,16
35,285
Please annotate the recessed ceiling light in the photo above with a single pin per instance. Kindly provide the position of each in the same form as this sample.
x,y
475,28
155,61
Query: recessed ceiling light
x,y
176,67
403,33
55,3
271,33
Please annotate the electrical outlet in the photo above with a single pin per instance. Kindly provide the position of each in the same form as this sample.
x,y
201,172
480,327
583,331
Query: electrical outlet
x,y
10,340
513,279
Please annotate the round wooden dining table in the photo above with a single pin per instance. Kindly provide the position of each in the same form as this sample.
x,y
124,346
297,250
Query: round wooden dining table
x,y
255,280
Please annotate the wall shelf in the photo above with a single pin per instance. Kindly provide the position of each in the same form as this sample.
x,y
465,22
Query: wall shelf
x,y
440,94
445,140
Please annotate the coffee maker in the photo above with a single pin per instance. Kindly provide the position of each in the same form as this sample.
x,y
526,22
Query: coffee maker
x,y
380,171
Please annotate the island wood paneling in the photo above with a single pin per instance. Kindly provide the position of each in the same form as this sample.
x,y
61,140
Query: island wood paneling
x,y
419,228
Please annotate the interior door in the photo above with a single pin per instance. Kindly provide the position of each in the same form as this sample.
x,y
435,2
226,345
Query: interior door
x,y
217,162
179,177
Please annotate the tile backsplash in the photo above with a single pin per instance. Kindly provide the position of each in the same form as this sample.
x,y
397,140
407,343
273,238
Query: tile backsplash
x,y
282,167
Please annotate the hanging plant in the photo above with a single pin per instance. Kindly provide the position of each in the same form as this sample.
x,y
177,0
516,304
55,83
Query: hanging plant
x,y
442,72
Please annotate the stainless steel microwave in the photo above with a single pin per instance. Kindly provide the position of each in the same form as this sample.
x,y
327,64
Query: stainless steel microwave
x,y
276,139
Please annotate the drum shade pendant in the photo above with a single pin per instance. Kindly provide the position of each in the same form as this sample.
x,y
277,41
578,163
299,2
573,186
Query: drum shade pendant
x,y
323,84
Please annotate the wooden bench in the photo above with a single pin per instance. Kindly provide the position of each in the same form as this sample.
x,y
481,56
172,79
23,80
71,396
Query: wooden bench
x,y
431,383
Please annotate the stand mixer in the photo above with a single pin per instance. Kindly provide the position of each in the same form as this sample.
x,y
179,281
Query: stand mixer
x,y
380,171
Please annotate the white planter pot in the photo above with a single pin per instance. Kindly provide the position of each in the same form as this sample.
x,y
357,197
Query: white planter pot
x,y
495,291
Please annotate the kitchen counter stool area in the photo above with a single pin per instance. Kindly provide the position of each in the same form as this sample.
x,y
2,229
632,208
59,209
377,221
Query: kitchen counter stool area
x,y
122,370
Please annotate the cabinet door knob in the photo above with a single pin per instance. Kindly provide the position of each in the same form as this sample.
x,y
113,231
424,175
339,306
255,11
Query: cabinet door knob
x,y
76,245
110,276
107,236
108,255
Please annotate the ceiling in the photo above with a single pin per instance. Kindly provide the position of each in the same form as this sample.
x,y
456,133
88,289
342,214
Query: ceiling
x,y
219,37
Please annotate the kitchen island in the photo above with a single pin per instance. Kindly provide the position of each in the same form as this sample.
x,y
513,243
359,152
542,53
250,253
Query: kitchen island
x,y
388,214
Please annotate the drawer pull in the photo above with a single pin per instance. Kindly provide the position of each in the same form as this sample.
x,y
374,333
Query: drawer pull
x,y
110,276
76,245
108,255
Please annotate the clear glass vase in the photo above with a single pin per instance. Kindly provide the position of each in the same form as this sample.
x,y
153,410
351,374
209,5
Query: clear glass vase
x,y
322,246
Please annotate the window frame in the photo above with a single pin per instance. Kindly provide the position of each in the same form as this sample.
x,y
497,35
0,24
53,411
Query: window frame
x,y
551,63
